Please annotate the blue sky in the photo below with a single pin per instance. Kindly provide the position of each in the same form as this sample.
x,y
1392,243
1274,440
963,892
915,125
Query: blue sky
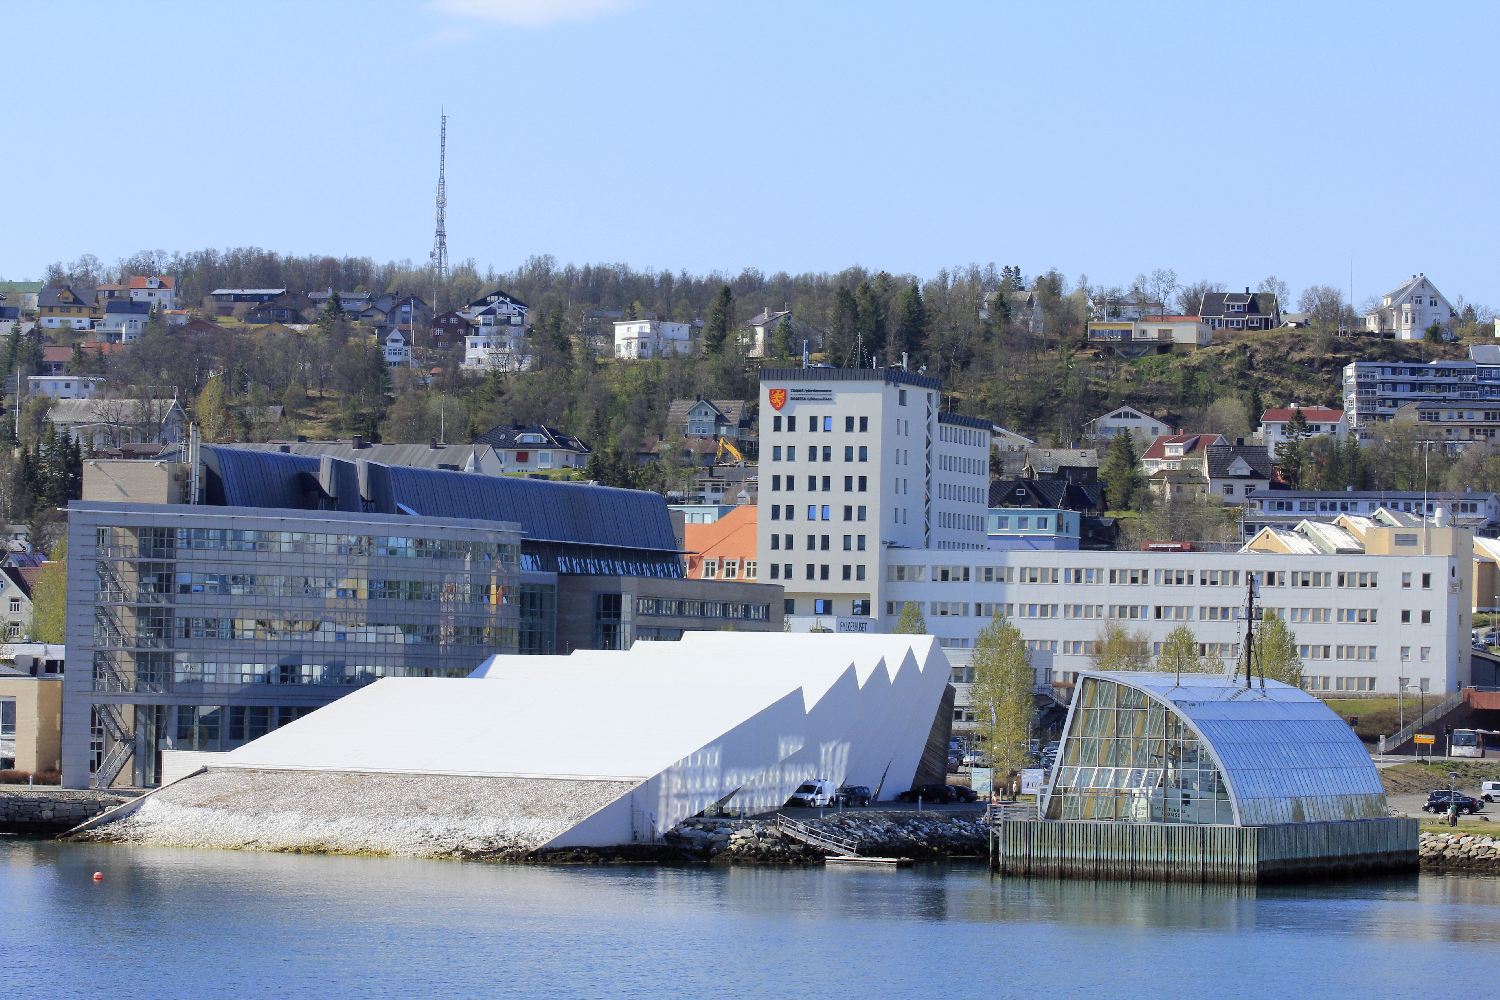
x,y
1228,141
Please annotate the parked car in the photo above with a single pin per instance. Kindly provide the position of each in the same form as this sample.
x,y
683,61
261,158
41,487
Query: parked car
x,y
962,793
927,793
1489,791
852,795
814,793
1437,802
975,758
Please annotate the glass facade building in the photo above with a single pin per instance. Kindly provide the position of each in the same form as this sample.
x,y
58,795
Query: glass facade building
x,y
1148,748
202,628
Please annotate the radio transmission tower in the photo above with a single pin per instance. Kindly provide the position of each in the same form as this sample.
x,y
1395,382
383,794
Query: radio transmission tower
x,y
440,237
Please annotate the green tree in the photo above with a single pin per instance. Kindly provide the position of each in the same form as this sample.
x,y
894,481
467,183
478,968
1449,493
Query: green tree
x,y
843,323
1002,694
720,325
1118,648
780,347
1276,652
1179,654
912,621
1292,454
1124,481
871,323
215,418
49,598
911,324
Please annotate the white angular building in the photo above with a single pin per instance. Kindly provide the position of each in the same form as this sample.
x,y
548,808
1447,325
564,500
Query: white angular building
x,y
665,731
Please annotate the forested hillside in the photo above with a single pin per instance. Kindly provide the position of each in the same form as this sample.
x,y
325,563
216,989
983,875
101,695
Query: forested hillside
x,y
957,325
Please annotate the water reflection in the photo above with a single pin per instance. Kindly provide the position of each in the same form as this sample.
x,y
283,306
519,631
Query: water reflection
x,y
334,926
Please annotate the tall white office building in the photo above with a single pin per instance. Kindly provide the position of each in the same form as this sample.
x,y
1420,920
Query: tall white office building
x,y
855,461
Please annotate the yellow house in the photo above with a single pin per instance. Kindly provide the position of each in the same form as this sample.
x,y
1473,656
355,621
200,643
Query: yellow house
x,y
65,307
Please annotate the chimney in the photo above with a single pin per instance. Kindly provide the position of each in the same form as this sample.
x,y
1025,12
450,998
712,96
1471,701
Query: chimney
x,y
357,442
432,443
1247,289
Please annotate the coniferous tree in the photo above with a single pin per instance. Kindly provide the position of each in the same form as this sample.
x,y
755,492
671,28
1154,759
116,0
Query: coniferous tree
x,y
843,322
1121,471
720,324
911,324
780,347
871,323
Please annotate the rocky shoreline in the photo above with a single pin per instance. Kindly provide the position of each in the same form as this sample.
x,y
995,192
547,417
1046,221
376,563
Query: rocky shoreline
x,y
1460,852
918,836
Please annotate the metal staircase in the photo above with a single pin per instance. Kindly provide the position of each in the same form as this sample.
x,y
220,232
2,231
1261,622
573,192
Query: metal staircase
x,y
119,746
829,843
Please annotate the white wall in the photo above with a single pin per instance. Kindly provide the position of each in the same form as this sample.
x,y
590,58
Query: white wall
x,y
1041,610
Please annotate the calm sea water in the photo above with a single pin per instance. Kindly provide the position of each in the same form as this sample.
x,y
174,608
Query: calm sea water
x,y
195,923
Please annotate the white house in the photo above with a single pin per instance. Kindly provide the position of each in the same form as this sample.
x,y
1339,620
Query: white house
x,y
1171,452
1407,312
124,321
1322,421
1127,420
154,290
109,423
396,349
762,327
652,338
535,448
496,348
65,386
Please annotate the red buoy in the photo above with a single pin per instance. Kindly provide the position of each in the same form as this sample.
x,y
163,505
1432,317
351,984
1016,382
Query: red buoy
x,y
98,876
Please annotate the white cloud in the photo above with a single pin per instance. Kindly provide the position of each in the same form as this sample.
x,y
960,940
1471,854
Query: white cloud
x,y
529,13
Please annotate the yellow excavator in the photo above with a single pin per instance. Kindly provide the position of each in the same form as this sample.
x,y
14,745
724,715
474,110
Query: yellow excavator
x,y
735,457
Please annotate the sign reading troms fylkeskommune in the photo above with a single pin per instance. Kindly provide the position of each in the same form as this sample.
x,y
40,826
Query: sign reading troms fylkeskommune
x,y
779,397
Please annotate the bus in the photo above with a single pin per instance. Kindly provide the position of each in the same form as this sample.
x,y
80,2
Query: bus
x,y
1466,743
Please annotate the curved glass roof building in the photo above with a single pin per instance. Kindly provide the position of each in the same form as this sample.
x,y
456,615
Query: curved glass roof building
x,y
1205,749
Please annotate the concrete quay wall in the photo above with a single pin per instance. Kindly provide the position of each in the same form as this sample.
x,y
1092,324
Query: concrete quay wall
x,y
48,811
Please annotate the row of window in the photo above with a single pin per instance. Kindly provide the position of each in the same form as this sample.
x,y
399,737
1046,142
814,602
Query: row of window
x,y
462,590
730,567
673,607
817,512
817,571
153,632
852,484
165,542
814,454
1296,579
817,543
816,423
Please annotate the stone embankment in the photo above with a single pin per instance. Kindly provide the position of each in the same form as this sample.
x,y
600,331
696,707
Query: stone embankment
x,y
920,836
44,812
1460,852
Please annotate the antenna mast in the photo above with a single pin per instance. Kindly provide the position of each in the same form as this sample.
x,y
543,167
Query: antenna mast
x,y
440,237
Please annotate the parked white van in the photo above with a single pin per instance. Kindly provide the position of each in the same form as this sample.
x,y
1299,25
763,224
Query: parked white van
x,y
1489,791
814,793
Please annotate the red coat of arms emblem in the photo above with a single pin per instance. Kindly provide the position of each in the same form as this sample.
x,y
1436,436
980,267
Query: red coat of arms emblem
x,y
778,399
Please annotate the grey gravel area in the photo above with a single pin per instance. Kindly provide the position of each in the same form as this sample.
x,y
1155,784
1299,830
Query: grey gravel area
x,y
361,813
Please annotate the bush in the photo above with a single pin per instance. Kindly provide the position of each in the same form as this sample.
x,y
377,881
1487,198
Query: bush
x,y
51,776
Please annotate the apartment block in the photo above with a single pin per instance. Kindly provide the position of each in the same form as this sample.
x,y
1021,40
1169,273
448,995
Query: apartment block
x,y
1455,402
855,462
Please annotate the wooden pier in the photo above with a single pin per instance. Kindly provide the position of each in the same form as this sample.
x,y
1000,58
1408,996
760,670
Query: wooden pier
x,y
1203,853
